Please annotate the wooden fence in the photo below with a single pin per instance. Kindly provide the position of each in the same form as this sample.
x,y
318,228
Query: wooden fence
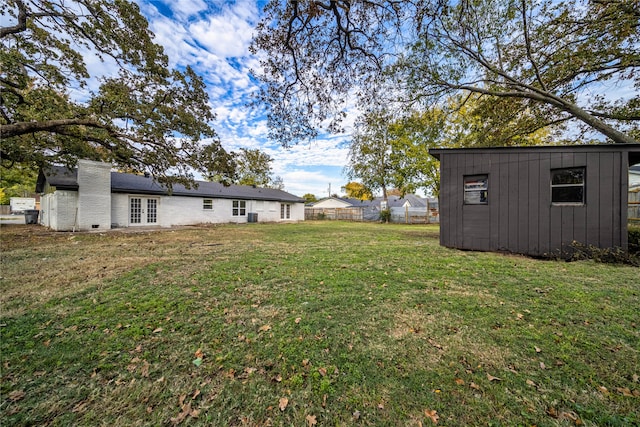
x,y
347,214
403,215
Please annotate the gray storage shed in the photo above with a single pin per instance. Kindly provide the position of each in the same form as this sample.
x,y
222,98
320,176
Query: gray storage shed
x,y
535,200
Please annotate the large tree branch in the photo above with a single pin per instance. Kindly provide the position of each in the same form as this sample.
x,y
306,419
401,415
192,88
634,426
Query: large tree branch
x,y
525,26
24,128
564,105
22,21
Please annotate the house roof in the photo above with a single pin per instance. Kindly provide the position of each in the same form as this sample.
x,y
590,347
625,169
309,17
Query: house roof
x,y
59,177
66,179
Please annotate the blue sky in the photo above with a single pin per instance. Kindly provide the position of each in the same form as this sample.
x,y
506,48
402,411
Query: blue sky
x,y
213,37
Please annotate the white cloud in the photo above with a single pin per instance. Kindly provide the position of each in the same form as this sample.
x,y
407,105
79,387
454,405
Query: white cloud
x,y
213,37
183,9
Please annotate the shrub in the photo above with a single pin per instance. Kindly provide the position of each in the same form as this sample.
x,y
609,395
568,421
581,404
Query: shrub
x,y
634,240
385,215
580,251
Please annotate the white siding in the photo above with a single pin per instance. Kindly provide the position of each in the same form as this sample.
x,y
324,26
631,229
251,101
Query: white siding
x,y
59,210
94,195
180,210
331,203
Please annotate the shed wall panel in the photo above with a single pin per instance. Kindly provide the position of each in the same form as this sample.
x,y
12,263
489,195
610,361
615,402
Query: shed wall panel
x,y
523,202
592,198
514,220
606,200
533,210
503,207
544,201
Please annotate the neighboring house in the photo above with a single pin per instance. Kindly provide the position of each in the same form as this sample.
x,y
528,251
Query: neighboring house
x,y
634,176
333,202
93,197
535,200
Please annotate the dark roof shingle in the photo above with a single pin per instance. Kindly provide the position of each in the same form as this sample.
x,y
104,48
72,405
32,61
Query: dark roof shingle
x,y
66,179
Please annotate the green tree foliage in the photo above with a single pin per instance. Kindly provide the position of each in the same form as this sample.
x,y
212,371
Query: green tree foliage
x,y
402,144
253,167
370,154
537,63
310,198
18,181
147,117
357,190
249,167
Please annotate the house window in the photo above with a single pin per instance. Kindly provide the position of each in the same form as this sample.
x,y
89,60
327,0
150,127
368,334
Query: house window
x,y
207,204
567,186
476,189
239,208
285,211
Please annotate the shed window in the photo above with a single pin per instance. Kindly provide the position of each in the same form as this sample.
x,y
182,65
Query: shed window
x,y
567,186
239,208
207,204
476,190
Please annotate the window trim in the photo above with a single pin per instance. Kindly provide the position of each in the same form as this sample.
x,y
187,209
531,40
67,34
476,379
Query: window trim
x,y
468,191
582,185
239,208
285,211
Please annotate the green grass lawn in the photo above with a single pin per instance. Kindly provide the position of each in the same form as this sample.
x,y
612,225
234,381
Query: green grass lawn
x,y
317,323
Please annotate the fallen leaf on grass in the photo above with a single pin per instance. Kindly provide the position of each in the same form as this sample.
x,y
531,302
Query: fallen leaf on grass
x,y
624,391
356,415
156,330
531,383
603,390
475,386
16,395
538,349
492,378
564,415
432,415
298,319
80,407
199,354
264,328
459,381
186,410
282,404
323,371
311,420
435,344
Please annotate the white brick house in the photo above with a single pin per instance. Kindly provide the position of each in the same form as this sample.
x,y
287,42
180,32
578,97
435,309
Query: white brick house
x,y
93,197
